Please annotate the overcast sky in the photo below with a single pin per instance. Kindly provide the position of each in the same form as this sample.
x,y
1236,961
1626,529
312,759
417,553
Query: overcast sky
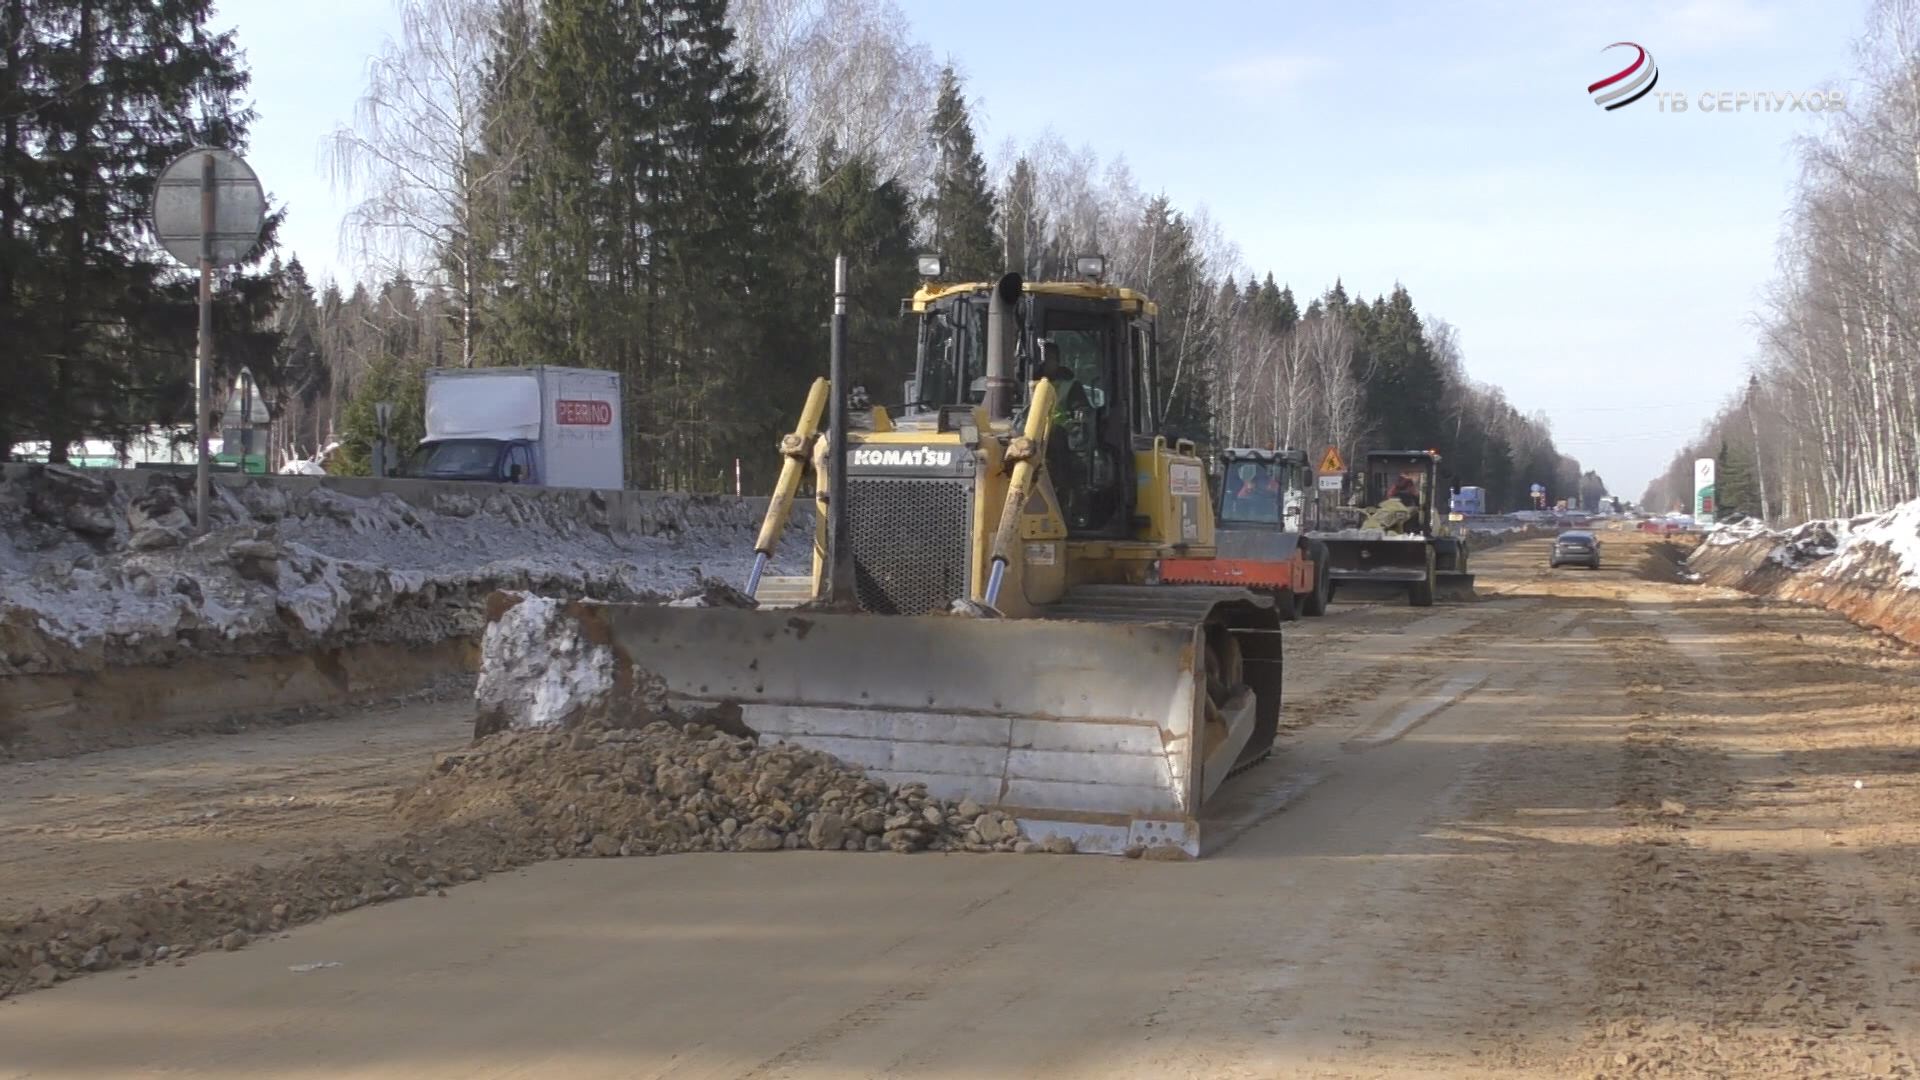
x,y
1600,266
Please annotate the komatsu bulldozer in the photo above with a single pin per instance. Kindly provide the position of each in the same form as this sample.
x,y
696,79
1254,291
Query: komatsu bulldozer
x,y
980,616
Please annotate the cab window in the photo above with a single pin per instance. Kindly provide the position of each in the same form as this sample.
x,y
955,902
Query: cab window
x,y
1084,352
1251,493
953,355
519,458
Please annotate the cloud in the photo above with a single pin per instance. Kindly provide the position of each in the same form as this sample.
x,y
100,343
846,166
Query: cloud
x,y
1264,76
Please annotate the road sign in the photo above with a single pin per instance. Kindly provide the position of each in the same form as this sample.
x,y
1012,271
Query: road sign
x,y
207,211
1330,481
1330,461
239,207
1703,490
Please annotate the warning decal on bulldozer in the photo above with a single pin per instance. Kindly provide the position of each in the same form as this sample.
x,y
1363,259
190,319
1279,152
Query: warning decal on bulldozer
x,y
1040,554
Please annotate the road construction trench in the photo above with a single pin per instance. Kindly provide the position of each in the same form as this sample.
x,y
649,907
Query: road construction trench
x,y
1594,825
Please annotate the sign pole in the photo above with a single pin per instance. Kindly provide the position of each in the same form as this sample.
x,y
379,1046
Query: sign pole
x,y
220,231
203,354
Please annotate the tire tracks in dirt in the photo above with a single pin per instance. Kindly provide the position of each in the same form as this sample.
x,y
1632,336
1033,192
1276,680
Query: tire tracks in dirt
x,y
1720,954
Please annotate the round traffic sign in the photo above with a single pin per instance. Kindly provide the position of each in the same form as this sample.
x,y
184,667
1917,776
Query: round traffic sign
x,y
239,206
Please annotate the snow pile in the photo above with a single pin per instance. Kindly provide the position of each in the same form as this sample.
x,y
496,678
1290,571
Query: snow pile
x,y
1806,544
98,572
1881,545
1866,568
540,671
1721,534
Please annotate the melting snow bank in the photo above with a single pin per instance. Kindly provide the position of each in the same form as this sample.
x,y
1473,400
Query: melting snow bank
x,y
100,570
1867,568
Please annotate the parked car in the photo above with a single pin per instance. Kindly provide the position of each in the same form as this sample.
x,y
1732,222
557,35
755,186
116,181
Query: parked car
x,y
1575,548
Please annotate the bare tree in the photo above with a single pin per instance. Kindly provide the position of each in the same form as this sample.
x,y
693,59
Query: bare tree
x,y
1833,417
426,154
846,73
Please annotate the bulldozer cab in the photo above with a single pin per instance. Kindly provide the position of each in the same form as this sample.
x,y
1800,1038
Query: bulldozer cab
x,y
1411,476
1095,342
1263,488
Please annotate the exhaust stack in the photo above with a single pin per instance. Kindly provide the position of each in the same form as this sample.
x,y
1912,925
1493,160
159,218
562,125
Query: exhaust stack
x,y
1002,326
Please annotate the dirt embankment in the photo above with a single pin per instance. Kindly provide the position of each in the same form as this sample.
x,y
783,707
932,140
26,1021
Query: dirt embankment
x,y
115,617
1865,569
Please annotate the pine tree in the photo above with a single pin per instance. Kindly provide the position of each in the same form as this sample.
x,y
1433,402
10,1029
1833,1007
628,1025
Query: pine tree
x,y
1178,283
1277,306
97,97
853,212
1405,392
961,205
1023,222
1336,299
661,233
1734,489
511,136
1592,490
392,379
302,374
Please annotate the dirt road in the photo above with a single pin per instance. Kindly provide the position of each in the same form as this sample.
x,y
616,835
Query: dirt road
x,y
1596,824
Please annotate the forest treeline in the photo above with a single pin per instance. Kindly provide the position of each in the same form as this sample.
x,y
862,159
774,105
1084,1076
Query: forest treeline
x,y
1828,423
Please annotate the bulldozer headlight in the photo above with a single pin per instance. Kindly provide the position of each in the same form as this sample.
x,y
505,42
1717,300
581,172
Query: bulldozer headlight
x,y
1093,267
930,266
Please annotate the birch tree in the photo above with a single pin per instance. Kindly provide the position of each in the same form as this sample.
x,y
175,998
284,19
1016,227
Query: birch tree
x,y
427,158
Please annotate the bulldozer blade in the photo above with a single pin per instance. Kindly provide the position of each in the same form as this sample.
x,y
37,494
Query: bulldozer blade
x,y
1454,587
1096,732
1371,560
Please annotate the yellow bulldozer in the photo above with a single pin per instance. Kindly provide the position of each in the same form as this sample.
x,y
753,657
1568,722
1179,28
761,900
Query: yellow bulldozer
x,y
984,613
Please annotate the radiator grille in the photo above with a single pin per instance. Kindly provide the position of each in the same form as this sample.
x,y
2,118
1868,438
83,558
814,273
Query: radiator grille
x,y
909,542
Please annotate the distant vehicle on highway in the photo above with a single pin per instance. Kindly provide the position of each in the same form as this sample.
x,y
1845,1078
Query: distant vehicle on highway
x,y
1469,501
549,426
1575,548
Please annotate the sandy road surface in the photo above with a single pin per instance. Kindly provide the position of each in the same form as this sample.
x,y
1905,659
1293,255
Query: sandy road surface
x,y
120,819
1595,825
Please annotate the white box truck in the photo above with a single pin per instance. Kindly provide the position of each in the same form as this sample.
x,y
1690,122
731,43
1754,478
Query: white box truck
x,y
552,426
